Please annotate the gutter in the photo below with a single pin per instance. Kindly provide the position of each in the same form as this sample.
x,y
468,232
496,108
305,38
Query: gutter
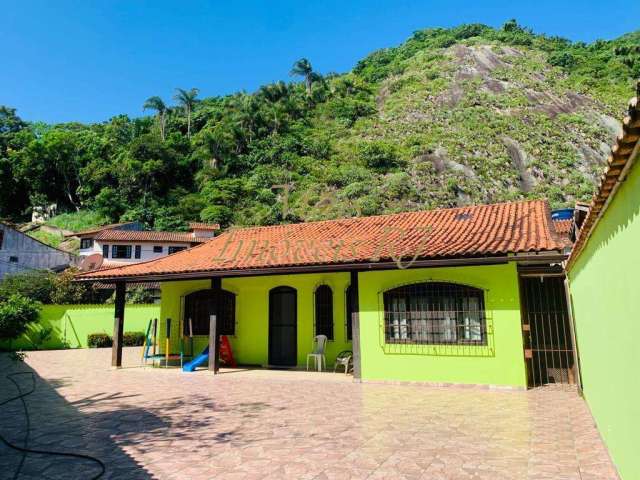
x,y
545,257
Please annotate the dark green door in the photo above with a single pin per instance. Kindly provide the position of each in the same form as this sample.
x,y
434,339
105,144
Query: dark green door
x,y
283,327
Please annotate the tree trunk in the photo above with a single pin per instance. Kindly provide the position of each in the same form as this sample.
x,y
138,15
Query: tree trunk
x,y
188,122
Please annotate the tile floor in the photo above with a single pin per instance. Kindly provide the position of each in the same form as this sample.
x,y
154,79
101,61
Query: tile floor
x,y
148,423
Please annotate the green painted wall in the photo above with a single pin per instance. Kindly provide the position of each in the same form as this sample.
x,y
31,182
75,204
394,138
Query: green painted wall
x,y
71,324
604,289
500,362
250,344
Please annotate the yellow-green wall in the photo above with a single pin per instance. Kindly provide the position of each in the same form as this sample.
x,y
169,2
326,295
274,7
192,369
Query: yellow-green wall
x,y
500,362
250,343
69,325
604,286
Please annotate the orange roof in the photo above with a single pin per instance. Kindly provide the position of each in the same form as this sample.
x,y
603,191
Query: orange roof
x,y
145,236
563,229
617,167
97,229
204,226
474,231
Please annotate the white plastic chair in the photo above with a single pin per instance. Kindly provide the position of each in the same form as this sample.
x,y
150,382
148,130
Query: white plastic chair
x,y
319,344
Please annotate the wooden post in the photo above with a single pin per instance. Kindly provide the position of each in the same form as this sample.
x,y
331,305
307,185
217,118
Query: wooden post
x,y
213,341
118,325
355,325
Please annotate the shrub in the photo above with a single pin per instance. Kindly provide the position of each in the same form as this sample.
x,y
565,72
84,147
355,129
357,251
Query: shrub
x,y
133,339
17,312
99,340
379,155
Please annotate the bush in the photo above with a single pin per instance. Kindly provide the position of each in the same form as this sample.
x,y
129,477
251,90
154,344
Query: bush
x,y
99,340
17,312
379,155
133,339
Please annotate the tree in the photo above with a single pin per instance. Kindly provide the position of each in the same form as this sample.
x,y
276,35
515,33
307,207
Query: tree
x,y
187,100
16,314
156,103
303,68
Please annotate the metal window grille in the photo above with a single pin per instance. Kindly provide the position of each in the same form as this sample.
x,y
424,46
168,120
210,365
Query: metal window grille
x,y
121,251
86,243
138,251
172,250
105,251
157,249
435,313
198,306
324,311
349,314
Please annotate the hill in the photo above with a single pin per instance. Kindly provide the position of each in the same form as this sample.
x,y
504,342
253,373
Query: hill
x,y
452,116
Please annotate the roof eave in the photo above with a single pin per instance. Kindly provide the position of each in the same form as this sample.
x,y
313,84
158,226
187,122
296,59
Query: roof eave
x,y
547,256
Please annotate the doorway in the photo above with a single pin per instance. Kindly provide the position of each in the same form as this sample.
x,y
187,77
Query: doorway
x,y
283,327
546,328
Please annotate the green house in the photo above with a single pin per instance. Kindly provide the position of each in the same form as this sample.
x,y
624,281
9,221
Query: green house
x,y
429,296
604,276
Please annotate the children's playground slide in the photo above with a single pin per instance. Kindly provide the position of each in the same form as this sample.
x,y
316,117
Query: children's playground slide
x,y
196,362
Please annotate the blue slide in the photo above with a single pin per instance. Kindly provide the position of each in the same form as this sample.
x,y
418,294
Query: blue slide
x,y
196,362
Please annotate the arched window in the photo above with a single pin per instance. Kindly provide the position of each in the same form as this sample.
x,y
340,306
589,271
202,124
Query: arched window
x,y
435,313
349,313
198,306
324,311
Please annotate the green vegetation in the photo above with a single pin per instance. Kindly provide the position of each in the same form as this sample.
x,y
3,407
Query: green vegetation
x,y
48,288
451,116
77,221
16,314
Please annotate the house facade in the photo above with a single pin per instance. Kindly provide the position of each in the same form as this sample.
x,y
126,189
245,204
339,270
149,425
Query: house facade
x,y
21,253
432,296
603,273
127,243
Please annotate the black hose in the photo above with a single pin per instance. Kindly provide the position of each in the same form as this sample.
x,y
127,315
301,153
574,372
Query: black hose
x,y
25,450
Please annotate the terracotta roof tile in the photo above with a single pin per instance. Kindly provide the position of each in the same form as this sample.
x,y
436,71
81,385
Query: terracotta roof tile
x,y
146,236
617,166
97,229
483,230
204,226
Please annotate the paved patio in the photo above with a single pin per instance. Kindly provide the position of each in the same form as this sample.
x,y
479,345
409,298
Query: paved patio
x,y
161,423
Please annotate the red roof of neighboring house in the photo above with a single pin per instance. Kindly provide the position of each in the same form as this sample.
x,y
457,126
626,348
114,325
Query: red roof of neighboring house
x,y
563,227
474,231
146,236
617,167
97,229
204,226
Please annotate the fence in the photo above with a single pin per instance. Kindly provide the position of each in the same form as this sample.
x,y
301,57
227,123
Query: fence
x,y
67,326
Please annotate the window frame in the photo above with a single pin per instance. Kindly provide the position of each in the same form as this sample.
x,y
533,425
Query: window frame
x,y
175,249
84,241
323,312
137,252
202,300
116,247
105,251
158,249
435,313
348,305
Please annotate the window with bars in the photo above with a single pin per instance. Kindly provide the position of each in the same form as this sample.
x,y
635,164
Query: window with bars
x,y
349,312
138,251
435,313
200,305
324,311
172,250
105,251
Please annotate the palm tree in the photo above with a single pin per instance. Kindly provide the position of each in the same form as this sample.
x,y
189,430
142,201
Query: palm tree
x,y
187,100
156,103
303,68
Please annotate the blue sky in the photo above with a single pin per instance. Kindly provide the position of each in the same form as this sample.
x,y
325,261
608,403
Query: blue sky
x,y
89,60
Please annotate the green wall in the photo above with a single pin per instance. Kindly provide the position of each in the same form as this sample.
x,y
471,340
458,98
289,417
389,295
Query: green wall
x,y
500,362
71,324
250,343
604,286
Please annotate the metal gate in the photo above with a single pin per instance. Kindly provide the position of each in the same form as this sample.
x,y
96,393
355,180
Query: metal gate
x,y
547,335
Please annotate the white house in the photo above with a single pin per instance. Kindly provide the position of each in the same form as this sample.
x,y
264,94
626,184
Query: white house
x,y
125,243
20,253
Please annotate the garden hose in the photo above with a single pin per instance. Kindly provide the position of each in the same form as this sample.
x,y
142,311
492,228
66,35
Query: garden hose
x,y
25,450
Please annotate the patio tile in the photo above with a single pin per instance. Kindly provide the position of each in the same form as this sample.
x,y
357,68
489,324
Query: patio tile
x,y
148,423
